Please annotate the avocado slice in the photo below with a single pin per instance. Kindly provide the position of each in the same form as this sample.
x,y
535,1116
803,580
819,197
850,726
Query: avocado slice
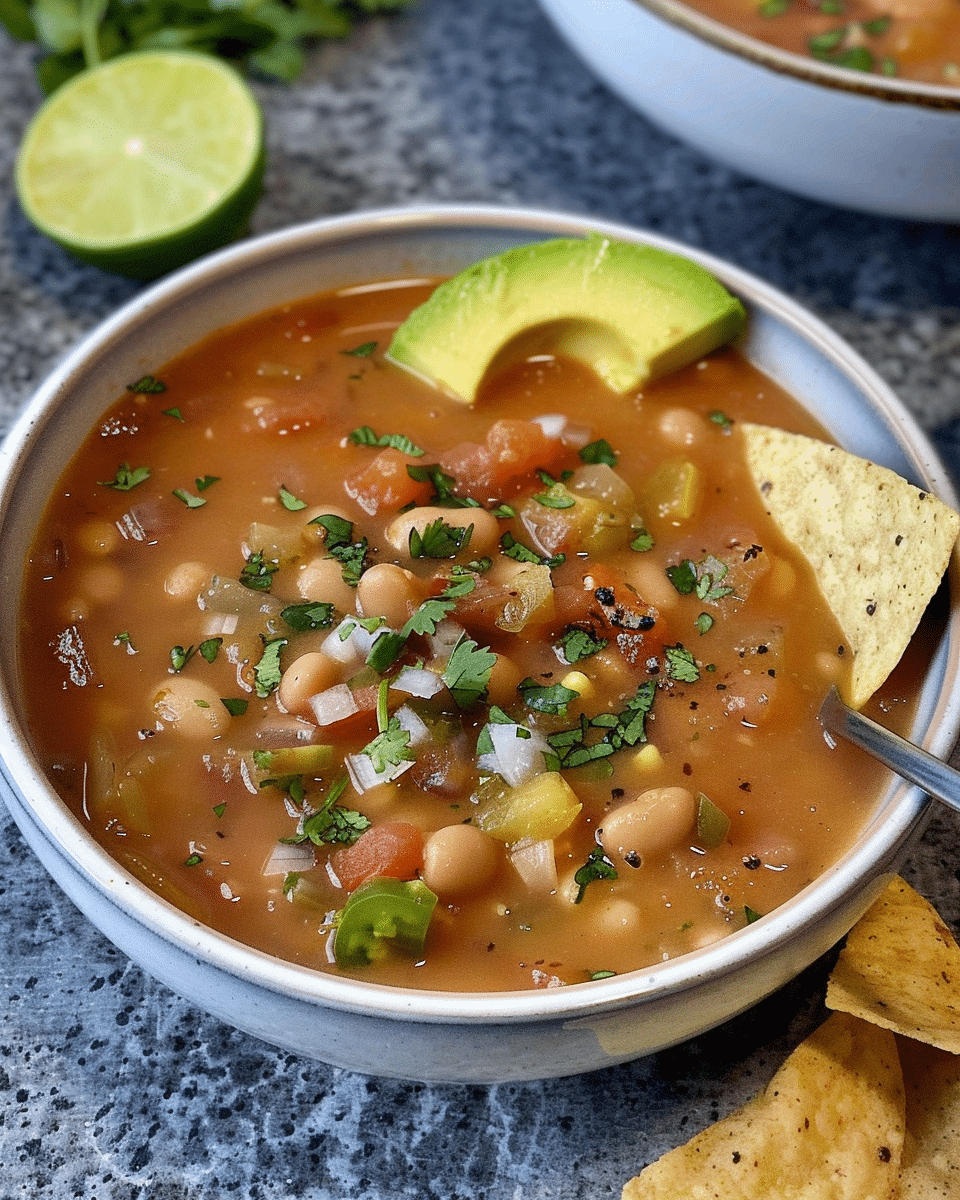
x,y
629,312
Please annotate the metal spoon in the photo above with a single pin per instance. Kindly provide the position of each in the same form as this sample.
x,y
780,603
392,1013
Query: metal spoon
x,y
935,777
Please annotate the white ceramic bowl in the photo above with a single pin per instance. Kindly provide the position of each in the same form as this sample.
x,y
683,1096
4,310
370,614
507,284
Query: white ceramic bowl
x,y
433,1036
867,142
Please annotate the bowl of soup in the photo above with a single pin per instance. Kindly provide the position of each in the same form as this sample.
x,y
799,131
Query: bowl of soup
x,y
854,103
443,740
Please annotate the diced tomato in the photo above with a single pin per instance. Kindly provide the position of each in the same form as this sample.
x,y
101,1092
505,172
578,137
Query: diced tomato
x,y
607,606
385,483
513,449
393,849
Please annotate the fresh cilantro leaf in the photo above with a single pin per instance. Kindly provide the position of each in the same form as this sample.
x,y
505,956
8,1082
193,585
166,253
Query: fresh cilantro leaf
x,y
173,412
599,451
681,665
721,419
683,576
550,699
210,648
467,673
188,499
597,866
179,657
205,481
439,540
258,572
147,385
351,555
365,436
580,745
338,530
642,540
289,501
364,350
389,748
704,623
751,914
293,786
385,651
220,809
443,486
504,511
194,860
312,615
235,706
578,644
267,672
123,639
705,578
126,478
520,553
556,496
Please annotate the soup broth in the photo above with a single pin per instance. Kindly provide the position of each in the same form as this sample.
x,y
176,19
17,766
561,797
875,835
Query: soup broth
x,y
917,40
579,739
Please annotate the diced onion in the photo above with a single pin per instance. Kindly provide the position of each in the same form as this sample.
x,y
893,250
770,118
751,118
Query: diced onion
x,y
279,732
517,753
350,642
536,864
418,681
285,858
552,424
335,704
413,724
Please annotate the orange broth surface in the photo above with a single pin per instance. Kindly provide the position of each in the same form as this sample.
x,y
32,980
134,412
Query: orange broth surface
x,y
152,669
915,39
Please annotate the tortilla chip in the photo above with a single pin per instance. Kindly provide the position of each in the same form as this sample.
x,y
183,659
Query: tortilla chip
x,y
900,969
931,1150
830,1124
877,545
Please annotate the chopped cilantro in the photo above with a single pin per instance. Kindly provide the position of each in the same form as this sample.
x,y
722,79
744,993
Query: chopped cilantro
x,y
389,748
705,578
180,657
123,639
332,824
365,436
721,419
147,385
704,623
173,412
550,699
520,553
443,485
258,572
193,861
599,451
681,665
289,501
235,706
467,673
642,540
188,498
210,648
578,644
439,540
504,512
126,478
312,615
556,496
205,481
350,554
267,671
751,914
220,809
364,350
580,745
597,866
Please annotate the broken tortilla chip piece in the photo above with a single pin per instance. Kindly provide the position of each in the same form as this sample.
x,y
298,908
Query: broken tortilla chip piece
x,y
877,545
900,968
830,1124
930,1167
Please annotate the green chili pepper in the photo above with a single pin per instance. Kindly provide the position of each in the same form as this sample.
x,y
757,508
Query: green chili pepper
x,y
383,913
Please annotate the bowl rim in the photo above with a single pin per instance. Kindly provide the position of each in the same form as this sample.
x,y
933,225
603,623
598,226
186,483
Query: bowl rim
x,y
892,89
737,951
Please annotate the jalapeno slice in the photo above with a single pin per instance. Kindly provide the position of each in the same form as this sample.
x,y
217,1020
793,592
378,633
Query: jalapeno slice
x,y
383,915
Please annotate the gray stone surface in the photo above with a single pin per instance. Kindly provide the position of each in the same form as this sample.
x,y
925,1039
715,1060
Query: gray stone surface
x,y
112,1088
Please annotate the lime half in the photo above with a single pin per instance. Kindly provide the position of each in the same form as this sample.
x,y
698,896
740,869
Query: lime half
x,y
145,162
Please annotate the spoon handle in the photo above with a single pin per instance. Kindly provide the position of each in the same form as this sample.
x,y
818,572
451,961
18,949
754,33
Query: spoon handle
x,y
934,776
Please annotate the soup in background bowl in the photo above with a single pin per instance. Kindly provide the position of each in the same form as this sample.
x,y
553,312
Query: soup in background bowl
x,y
199,336
885,143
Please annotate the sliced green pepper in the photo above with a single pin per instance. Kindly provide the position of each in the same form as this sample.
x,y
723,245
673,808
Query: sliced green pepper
x,y
383,914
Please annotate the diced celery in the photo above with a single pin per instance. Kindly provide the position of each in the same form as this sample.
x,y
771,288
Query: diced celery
x,y
673,491
276,542
539,809
712,823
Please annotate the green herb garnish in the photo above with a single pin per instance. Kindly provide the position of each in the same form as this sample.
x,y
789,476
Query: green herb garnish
x,y
126,478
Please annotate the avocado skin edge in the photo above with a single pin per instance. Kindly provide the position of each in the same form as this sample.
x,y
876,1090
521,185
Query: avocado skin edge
x,y
630,312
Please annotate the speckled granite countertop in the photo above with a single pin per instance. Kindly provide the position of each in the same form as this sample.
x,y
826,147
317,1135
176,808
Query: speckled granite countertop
x,y
112,1088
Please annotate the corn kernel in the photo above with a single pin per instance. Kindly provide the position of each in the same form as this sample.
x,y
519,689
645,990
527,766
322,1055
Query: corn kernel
x,y
577,682
648,758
